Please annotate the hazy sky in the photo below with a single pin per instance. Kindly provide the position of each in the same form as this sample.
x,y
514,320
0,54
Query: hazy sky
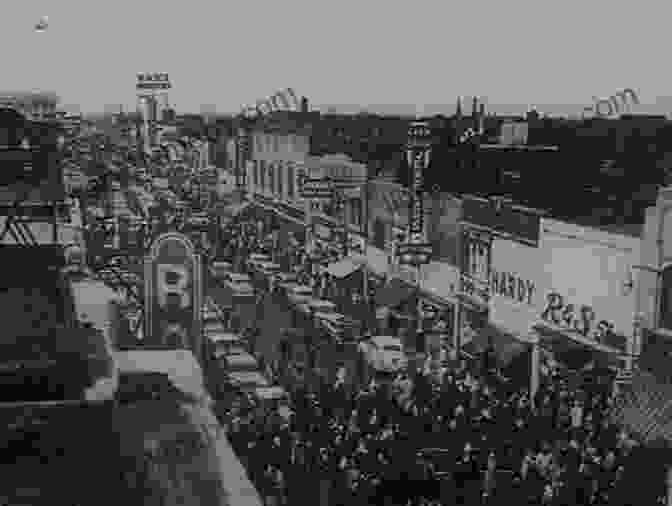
x,y
347,51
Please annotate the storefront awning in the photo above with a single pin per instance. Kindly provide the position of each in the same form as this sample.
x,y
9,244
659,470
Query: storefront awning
x,y
343,268
506,345
573,353
394,293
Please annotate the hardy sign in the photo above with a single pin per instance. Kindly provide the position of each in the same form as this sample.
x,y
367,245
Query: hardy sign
x,y
173,294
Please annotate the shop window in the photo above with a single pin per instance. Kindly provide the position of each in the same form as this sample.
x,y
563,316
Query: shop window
x,y
262,174
666,299
281,173
379,233
290,180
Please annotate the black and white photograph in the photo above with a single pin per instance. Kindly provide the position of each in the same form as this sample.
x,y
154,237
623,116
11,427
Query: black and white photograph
x,y
335,254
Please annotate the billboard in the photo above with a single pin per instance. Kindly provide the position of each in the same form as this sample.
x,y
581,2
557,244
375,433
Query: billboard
x,y
31,159
173,293
152,82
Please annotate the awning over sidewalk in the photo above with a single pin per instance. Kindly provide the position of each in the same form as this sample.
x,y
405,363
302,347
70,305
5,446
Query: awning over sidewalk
x,y
343,268
394,293
572,353
506,345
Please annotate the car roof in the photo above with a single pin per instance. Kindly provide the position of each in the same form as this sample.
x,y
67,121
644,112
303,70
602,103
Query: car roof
x,y
383,340
321,302
274,392
236,275
302,287
249,377
241,358
230,337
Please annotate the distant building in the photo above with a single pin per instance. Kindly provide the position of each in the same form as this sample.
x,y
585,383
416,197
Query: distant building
x,y
35,106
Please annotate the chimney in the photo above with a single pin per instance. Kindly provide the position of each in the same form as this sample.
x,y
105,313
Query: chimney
x,y
481,119
474,113
458,109
304,104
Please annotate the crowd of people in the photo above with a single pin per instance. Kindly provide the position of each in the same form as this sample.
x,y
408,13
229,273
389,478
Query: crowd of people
x,y
459,439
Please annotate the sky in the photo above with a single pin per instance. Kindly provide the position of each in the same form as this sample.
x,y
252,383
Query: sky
x,y
364,52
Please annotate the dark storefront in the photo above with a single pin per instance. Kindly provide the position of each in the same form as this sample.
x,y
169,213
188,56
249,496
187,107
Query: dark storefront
x,y
438,321
401,300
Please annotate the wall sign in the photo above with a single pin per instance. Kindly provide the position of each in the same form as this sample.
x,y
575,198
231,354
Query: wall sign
x,y
152,81
173,294
475,275
559,311
518,224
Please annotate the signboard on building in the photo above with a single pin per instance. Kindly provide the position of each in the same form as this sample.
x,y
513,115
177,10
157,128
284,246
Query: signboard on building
x,y
587,281
173,293
502,219
152,82
475,275
515,291
417,154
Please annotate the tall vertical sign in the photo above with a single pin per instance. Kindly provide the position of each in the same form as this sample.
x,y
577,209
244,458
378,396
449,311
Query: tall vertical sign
x,y
418,149
173,293
242,155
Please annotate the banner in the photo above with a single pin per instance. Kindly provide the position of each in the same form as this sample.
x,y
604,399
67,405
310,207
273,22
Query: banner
x,y
173,293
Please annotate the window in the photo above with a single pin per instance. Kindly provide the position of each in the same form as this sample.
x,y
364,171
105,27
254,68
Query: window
x,y
290,180
281,173
666,299
356,213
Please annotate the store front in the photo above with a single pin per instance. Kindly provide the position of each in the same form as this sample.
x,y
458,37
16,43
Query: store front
x,y
345,282
586,302
438,325
400,317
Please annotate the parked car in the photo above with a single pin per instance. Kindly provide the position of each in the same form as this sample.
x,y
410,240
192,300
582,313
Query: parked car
x,y
285,280
325,310
274,398
384,353
239,284
248,381
210,315
241,362
267,268
220,269
299,294
256,258
214,327
224,343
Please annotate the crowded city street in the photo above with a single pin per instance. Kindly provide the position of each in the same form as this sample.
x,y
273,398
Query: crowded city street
x,y
255,313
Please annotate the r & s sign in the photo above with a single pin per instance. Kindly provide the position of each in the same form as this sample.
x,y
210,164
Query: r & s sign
x,y
580,318
173,294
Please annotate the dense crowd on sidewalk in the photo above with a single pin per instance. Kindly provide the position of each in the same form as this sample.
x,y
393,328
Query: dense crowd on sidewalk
x,y
496,446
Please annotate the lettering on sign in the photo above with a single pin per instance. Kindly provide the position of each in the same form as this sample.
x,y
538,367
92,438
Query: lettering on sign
x,y
576,318
614,105
507,284
474,288
153,78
